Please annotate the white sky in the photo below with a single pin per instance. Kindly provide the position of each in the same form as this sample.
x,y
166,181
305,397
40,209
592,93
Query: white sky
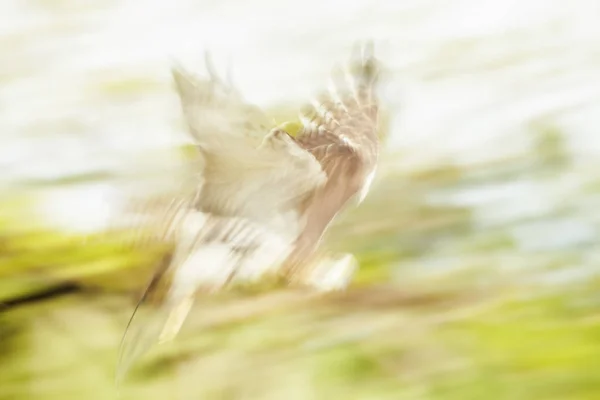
x,y
499,64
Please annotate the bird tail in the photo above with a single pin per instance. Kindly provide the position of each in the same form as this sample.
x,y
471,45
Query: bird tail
x,y
167,301
211,252
145,325
169,296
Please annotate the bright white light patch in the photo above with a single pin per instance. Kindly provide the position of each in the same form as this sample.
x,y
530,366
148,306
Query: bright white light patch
x,y
83,209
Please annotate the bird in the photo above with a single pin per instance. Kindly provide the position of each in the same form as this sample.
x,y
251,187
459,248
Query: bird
x,y
257,200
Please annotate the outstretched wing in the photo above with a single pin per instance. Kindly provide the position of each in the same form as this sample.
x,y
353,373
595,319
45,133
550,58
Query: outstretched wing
x,y
241,170
344,118
251,171
215,111
340,131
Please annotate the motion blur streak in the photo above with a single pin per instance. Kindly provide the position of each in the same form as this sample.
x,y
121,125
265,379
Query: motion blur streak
x,y
476,245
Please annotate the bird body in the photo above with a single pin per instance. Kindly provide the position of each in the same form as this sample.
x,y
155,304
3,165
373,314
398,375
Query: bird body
x,y
261,203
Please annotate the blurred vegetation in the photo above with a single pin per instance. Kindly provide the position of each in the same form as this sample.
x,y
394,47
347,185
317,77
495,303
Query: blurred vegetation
x,y
443,307
490,298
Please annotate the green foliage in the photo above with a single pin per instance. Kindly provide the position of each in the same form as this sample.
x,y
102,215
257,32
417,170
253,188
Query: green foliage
x,y
405,329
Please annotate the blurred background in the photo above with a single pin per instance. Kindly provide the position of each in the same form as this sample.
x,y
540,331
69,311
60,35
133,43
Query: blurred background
x,y
477,244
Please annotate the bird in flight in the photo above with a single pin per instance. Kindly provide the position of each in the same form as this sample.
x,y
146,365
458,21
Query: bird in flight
x,y
258,200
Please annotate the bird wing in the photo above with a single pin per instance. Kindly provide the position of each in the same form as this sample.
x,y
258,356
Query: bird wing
x,y
340,131
241,169
345,117
215,111
251,171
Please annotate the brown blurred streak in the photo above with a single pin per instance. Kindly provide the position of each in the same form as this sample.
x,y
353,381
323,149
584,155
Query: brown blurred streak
x,y
386,296
222,312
